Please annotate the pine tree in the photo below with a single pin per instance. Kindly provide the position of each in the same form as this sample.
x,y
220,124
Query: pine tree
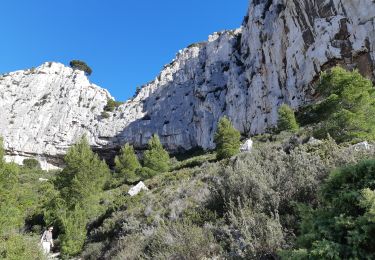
x,y
84,176
156,158
81,65
74,223
127,163
227,139
347,109
287,120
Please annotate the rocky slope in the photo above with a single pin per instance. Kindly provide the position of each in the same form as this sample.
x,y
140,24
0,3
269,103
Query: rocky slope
x,y
274,58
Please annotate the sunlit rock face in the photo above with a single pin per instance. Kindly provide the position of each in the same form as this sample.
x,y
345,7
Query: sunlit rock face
x,y
246,74
44,110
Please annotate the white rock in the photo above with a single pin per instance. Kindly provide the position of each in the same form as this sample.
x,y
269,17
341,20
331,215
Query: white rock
x,y
137,189
314,141
42,180
247,146
362,146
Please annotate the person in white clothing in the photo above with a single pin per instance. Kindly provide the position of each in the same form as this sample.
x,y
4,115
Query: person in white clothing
x,y
47,241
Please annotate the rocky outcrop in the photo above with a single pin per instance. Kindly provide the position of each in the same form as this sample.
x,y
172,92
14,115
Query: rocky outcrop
x,y
274,58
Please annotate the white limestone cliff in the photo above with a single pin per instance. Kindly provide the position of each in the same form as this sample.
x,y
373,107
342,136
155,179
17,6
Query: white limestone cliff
x,y
274,58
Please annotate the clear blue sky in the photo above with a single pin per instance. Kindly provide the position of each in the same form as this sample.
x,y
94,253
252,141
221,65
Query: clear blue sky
x,y
125,42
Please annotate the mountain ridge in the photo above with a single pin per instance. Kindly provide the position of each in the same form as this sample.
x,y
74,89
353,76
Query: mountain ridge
x,y
274,58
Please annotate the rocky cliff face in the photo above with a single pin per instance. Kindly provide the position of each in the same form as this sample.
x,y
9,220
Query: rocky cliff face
x,y
274,58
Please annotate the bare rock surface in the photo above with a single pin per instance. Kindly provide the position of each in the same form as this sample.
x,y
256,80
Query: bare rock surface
x,y
137,189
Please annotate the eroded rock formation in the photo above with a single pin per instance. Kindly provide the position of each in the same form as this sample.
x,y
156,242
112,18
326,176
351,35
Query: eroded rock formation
x,y
274,58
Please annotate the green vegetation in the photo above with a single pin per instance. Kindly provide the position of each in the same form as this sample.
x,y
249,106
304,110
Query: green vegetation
x,y
31,164
156,158
81,65
342,226
137,91
227,139
288,198
21,200
80,187
287,120
111,105
245,207
127,163
346,107
105,115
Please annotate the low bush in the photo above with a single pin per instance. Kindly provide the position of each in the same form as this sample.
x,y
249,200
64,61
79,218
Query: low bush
x,y
31,164
182,240
105,115
17,246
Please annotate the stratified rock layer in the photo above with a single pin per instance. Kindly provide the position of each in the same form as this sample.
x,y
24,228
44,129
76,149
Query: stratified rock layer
x,y
274,58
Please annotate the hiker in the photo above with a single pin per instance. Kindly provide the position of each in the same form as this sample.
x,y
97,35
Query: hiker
x,y
47,240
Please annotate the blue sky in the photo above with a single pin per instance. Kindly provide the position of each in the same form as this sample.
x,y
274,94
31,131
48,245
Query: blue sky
x,y
125,42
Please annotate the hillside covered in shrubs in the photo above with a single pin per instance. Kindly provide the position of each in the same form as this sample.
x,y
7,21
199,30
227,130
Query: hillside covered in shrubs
x,y
306,190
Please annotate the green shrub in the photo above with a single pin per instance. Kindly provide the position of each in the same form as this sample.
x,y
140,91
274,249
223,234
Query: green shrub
x,y
287,120
22,247
11,215
343,226
129,247
227,139
145,173
156,158
81,65
2,151
31,164
182,240
126,164
105,114
93,251
195,161
256,196
261,232
111,105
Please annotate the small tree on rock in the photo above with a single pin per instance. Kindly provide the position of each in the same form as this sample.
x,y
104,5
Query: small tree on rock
x,y
126,163
287,120
81,65
156,158
227,139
